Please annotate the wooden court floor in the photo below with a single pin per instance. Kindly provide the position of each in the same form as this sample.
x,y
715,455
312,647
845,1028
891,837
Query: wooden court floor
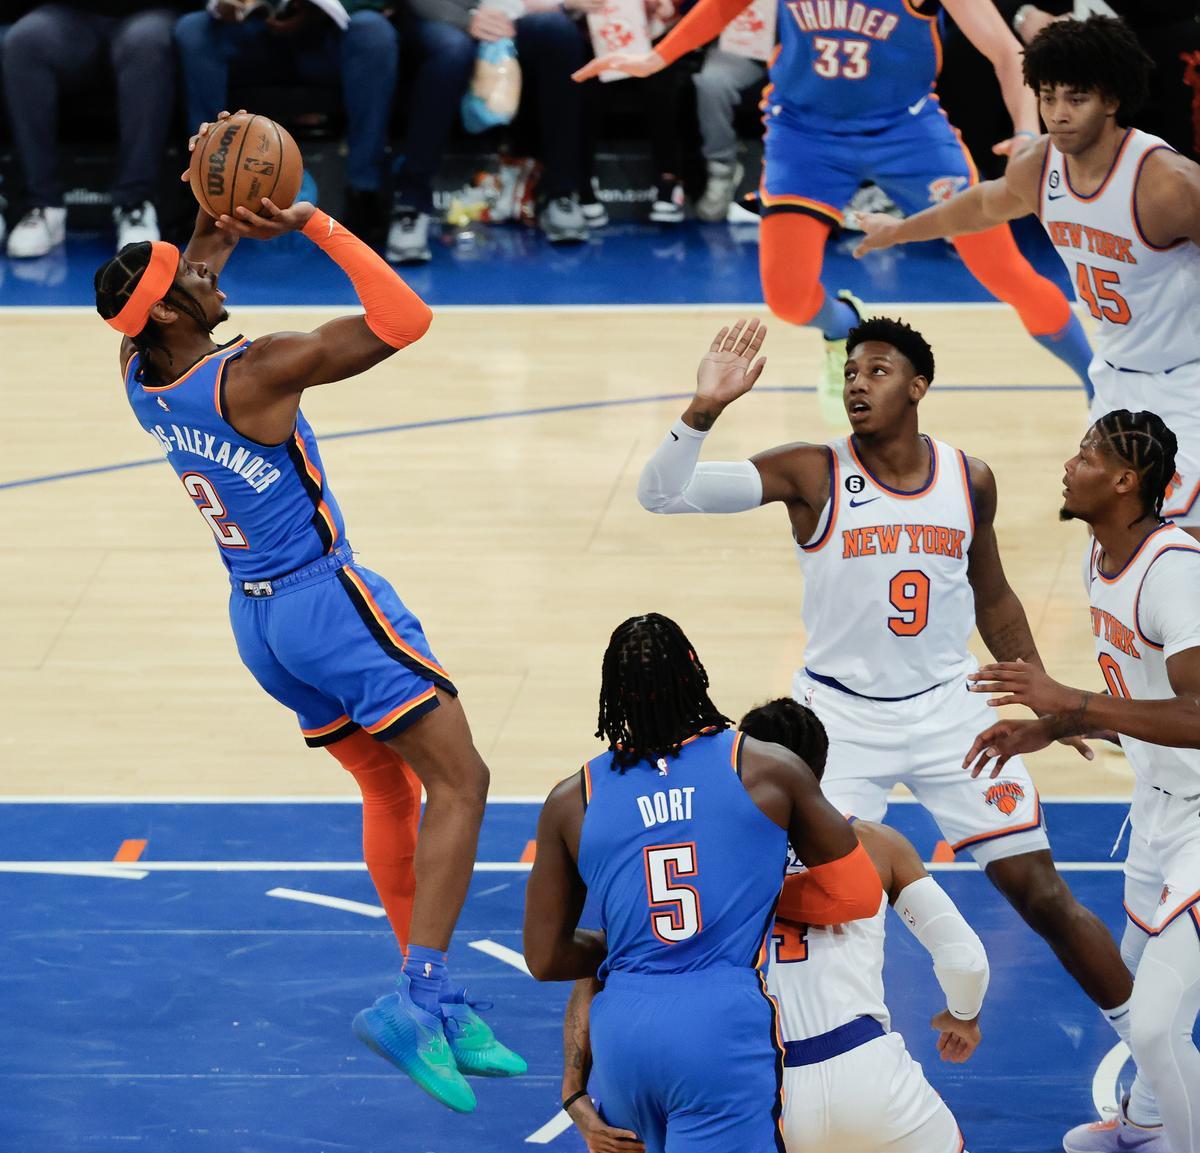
x,y
516,539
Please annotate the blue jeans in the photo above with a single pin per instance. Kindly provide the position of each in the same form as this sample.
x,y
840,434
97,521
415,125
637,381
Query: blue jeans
x,y
549,46
365,58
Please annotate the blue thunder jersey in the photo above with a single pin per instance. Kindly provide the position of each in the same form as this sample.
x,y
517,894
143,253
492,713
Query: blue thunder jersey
x,y
267,505
854,65
682,866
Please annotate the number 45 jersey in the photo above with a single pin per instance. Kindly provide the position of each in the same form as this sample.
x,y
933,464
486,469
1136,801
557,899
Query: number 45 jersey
x,y
682,865
267,505
888,609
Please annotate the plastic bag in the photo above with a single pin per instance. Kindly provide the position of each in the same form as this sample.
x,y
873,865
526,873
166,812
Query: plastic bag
x,y
495,91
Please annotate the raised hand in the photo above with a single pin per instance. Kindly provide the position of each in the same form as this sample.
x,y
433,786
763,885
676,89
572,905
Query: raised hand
x,y
632,63
959,1039
268,222
729,369
202,132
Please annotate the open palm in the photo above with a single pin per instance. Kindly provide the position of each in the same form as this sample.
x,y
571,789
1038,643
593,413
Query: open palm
x,y
729,370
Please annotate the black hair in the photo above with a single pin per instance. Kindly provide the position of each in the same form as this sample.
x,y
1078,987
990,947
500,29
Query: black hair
x,y
1143,442
900,336
114,284
787,722
1100,53
653,692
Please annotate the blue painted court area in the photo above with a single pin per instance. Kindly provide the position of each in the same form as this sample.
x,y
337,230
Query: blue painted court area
x,y
181,1003
691,263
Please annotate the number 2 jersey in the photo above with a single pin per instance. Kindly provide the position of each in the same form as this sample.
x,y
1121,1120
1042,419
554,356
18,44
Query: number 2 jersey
x,y
268,506
1143,296
682,866
888,609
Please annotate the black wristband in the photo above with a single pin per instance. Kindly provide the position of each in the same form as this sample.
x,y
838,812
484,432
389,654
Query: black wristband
x,y
572,1099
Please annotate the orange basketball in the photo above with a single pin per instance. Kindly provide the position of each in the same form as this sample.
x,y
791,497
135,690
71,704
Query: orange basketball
x,y
242,160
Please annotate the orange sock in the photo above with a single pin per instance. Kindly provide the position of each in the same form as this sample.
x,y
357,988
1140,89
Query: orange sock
x,y
391,815
791,251
994,259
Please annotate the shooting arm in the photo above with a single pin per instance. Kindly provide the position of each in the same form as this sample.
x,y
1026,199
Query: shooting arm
x,y
982,24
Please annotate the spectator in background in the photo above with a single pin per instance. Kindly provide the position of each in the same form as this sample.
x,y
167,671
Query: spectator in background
x,y
220,44
62,49
10,10
720,83
550,48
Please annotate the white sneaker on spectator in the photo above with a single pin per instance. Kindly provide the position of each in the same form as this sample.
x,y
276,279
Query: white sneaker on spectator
x,y
408,237
724,176
668,204
562,220
37,232
594,214
869,198
137,224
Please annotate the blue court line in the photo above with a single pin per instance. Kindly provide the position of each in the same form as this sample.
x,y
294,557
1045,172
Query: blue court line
x,y
513,414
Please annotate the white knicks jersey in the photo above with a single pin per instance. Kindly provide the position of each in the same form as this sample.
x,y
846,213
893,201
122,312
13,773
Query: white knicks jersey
x,y
1141,616
1144,297
887,606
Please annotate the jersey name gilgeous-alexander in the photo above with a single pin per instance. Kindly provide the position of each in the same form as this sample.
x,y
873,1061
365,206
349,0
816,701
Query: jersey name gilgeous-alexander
x,y
268,506
682,865
849,61
888,609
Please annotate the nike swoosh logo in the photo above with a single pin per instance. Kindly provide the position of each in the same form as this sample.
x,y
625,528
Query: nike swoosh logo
x,y
674,436
860,503
1051,196
915,108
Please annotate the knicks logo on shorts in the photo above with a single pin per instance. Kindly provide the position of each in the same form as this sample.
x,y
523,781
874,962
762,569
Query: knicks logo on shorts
x,y
945,187
1166,894
1005,795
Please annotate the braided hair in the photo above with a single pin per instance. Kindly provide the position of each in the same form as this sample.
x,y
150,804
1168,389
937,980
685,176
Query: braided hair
x,y
1148,446
787,722
114,284
653,692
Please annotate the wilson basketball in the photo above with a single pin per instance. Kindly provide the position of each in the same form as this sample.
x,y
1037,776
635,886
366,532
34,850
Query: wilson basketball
x,y
242,160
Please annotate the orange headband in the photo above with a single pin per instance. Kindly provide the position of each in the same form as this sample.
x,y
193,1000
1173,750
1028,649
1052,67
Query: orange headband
x,y
156,280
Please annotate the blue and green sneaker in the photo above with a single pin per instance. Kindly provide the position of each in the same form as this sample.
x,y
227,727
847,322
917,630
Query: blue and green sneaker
x,y
476,1051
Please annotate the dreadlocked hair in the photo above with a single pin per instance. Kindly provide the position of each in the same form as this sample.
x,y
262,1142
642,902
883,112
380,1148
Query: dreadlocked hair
x,y
114,284
1143,442
653,692
902,337
1098,53
787,722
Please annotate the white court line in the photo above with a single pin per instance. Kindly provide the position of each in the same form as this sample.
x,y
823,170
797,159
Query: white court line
x,y
502,953
1105,1084
348,799
557,1125
79,869
328,902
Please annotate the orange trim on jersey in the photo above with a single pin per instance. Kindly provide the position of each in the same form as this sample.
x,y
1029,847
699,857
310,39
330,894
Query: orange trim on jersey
x,y
1133,212
587,782
958,846
805,202
780,1049
972,171
217,388
930,16
967,490
936,36
314,474
1184,509
834,485
231,347
1191,904
387,627
735,752
1112,580
1137,597
325,730
397,713
925,488
1108,176
1042,177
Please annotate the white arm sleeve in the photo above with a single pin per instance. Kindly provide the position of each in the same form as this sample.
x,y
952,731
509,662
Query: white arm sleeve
x,y
674,481
959,962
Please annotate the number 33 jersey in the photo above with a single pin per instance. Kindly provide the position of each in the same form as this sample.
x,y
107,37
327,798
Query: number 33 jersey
x,y
268,506
888,609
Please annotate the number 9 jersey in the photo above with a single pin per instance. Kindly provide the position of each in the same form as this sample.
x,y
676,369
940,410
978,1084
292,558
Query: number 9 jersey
x,y
267,505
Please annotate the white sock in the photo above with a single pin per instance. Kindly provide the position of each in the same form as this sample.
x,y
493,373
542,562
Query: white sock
x,y
1142,1108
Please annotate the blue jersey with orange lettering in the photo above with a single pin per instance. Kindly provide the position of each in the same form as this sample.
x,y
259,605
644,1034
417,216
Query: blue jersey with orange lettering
x,y
854,64
267,505
682,865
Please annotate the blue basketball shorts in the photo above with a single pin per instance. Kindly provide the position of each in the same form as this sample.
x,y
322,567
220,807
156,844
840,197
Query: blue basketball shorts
x,y
336,645
917,158
690,1062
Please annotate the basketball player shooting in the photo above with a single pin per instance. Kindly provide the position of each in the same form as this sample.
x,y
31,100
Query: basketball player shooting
x,y
1122,209
1143,581
326,637
895,536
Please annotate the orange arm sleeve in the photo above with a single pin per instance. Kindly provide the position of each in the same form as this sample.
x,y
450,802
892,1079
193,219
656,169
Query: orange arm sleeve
x,y
702,24
394,313
833,893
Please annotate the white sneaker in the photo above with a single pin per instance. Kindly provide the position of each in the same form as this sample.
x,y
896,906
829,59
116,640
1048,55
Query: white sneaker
x,y
595,215
723,180
1118,1135
408,237
136,225
668,204
37,232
